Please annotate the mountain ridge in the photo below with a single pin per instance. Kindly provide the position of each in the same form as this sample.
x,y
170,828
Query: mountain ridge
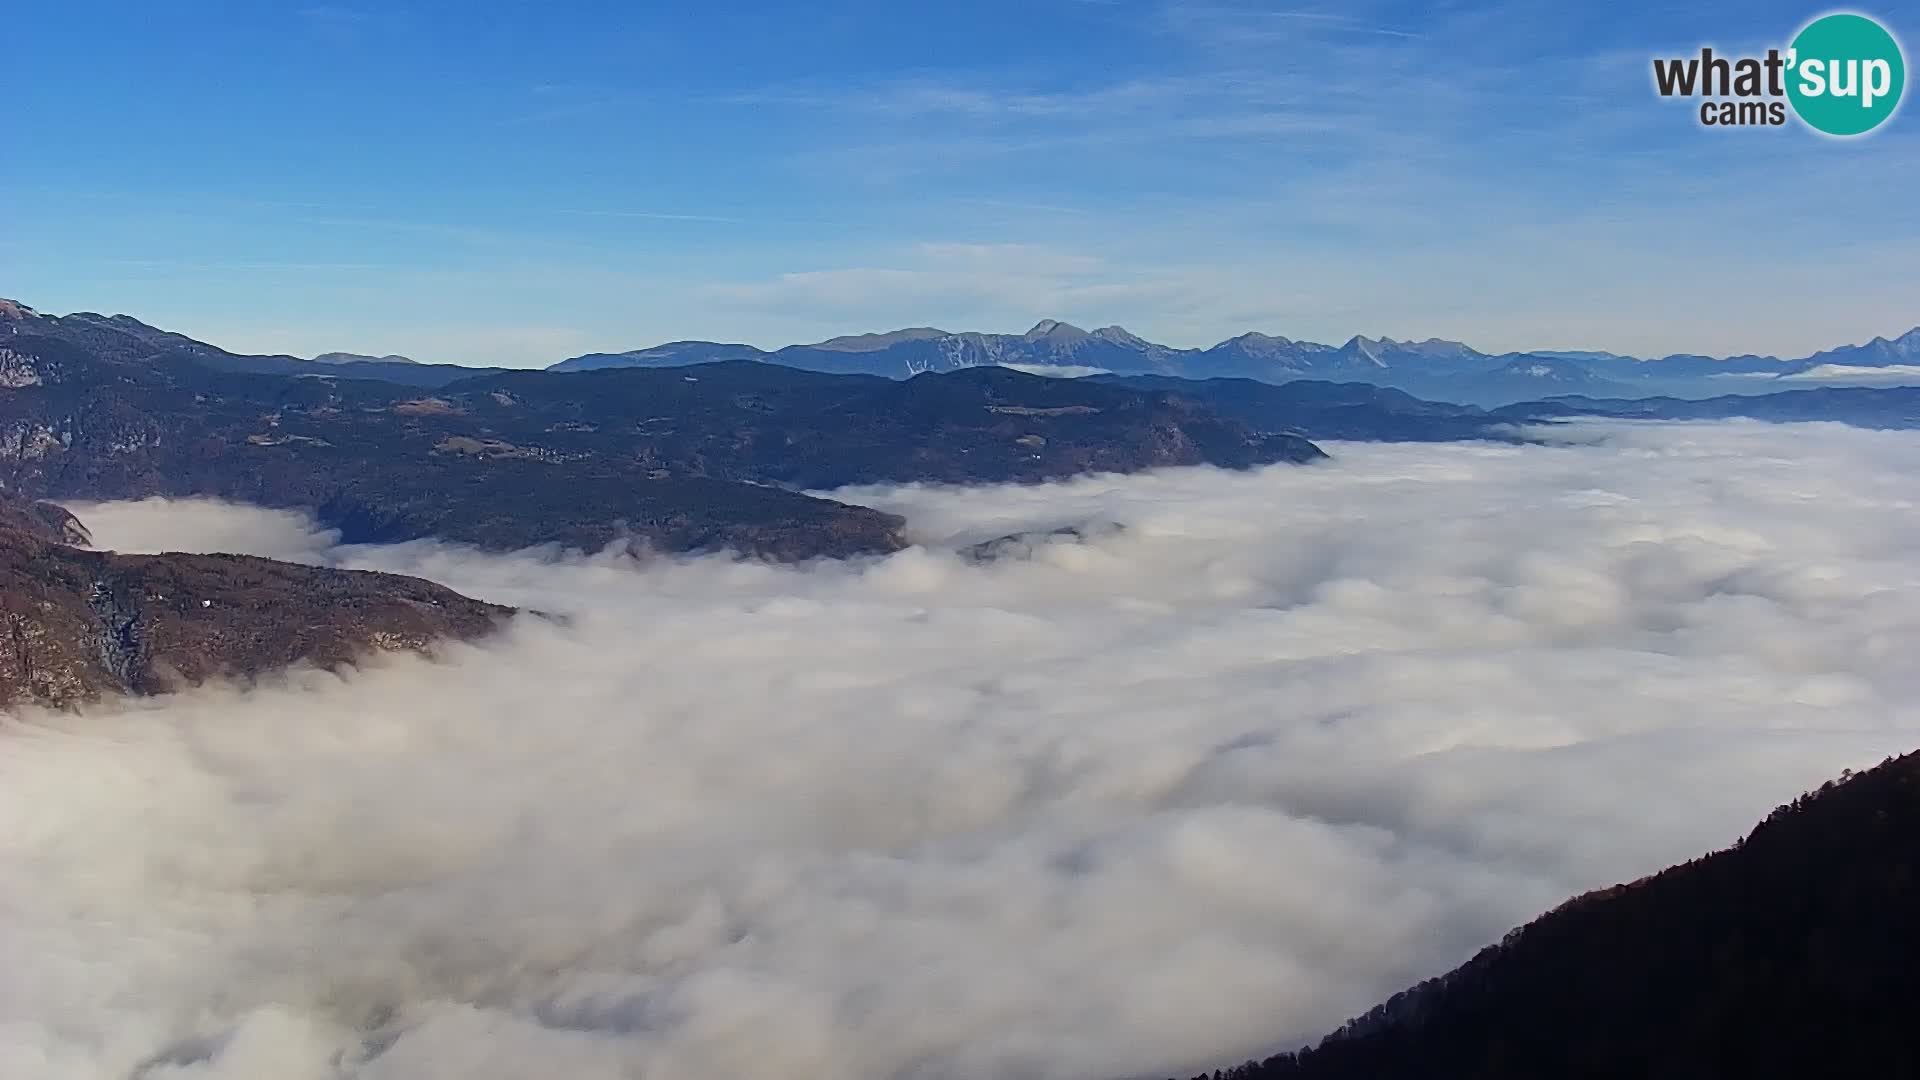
x,y
1434,368
719,456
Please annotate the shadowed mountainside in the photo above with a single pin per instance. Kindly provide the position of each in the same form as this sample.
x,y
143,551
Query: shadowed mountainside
x,y
1794,953
1335,410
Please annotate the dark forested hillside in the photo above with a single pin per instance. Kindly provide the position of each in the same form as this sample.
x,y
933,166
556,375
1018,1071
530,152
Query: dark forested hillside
x,y
1795,953
1334,410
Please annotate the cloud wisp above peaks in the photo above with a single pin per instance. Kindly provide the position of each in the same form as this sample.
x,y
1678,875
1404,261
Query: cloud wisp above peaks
x,y
992,287
1251,753
1237,27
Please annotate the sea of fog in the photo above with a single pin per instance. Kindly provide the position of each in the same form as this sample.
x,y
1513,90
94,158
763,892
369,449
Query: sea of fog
x,y
1249,754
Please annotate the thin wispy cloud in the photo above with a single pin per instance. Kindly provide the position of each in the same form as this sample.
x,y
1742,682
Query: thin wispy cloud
x,y
246,267
1008,204
351,25
969,286
654,215
1341,22
336,15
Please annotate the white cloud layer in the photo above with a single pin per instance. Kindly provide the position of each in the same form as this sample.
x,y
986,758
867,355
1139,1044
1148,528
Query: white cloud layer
x,y
1192,789
1905,374
1058,371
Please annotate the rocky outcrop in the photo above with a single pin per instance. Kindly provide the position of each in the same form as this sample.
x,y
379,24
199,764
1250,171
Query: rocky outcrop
x,y
76,625
43,521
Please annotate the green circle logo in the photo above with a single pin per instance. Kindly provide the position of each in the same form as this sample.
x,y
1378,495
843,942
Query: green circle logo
x,y
1845,74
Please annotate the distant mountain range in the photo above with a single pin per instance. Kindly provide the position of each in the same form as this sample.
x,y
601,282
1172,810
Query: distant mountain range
x,y
680,459
1434,368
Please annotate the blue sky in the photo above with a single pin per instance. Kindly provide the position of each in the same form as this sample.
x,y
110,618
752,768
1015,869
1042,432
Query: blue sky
x,y
496,183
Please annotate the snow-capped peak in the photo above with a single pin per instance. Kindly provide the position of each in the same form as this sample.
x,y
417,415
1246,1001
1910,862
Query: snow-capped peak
x,y
1054,330
1368,350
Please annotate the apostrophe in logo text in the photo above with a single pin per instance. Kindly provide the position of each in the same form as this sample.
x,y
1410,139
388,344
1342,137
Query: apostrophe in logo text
x,y
1843,74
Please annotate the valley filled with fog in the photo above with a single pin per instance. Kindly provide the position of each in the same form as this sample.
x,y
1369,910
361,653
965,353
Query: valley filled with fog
x,y
1238,756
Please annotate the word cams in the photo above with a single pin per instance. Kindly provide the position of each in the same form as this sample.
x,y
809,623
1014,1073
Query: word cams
x,y
1752,91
